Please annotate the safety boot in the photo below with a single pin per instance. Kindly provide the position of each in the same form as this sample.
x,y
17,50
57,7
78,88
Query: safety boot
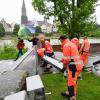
x,y
64,94
73,98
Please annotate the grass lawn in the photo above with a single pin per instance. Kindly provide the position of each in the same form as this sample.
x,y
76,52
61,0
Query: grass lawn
x,y
88,88
9,53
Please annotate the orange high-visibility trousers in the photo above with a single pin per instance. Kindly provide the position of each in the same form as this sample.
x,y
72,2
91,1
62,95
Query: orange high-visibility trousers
x,y
84,57
72,82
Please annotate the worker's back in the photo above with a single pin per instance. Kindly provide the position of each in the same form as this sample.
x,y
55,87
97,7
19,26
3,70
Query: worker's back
x,y
86,45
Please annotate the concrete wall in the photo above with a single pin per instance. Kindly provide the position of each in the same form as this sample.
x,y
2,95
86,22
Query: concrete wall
x,y
56,47
95,48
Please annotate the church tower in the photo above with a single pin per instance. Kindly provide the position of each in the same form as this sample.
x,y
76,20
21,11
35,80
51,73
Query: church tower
x,y
24,18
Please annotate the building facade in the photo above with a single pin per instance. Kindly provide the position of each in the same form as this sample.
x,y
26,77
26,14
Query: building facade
x,y
45,26
7,27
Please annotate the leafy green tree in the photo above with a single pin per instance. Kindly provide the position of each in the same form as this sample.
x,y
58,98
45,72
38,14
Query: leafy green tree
x,y
16,29
2,30
38,29
73,15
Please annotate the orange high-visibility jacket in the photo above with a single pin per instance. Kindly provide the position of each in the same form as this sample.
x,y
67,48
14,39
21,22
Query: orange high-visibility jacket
x,y
84,50
40,52
62,45
85,46
20,45
70,52
48,47
76,42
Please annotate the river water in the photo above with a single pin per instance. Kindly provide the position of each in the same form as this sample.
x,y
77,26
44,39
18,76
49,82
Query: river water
x,y
14,43
57,42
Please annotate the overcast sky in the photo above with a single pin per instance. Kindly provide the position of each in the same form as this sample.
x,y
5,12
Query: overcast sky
x,y
10,10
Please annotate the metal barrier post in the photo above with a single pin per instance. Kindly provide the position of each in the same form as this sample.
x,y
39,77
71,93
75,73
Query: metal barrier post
x,y
36,60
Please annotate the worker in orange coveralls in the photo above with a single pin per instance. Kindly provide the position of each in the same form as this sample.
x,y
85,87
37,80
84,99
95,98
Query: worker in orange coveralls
x,y
73,64
48,52
76,42
84,50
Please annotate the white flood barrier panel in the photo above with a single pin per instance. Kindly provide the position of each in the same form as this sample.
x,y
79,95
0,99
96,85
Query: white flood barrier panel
x,y
54,62
17,96
21,59
35,87
34,83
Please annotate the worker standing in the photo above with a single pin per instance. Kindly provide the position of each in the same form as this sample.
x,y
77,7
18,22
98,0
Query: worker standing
x,y
73,64
76,42
84,50
20,47
34,40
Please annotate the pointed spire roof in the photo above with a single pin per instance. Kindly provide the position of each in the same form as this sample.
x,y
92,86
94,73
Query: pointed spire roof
x,y
23,5
23,8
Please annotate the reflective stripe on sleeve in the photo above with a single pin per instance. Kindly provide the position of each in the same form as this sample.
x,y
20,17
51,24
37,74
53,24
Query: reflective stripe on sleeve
x,y
80,62
72,57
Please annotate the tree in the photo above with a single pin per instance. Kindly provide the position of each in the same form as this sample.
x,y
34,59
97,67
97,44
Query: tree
x,y
38,29
2,30
16,29
72,15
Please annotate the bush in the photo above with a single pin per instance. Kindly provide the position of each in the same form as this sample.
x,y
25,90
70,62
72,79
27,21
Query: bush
x,y
48,34
36,34
96,33
2,34
2,30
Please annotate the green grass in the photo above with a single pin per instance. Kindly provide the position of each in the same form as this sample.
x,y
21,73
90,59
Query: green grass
x,y
9,52
88,88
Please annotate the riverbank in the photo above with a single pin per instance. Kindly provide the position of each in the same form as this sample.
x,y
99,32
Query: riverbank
x,y
9,52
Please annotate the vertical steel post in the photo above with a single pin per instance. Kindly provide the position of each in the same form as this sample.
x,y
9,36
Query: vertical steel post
x,y
36,59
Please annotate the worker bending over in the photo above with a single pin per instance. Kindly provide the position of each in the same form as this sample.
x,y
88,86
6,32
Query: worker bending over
x,y
48,50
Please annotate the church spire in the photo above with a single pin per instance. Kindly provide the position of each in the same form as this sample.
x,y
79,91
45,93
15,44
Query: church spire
x,y
24,18
23,9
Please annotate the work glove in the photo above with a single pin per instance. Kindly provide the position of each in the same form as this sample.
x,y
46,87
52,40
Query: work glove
x,y
63,69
